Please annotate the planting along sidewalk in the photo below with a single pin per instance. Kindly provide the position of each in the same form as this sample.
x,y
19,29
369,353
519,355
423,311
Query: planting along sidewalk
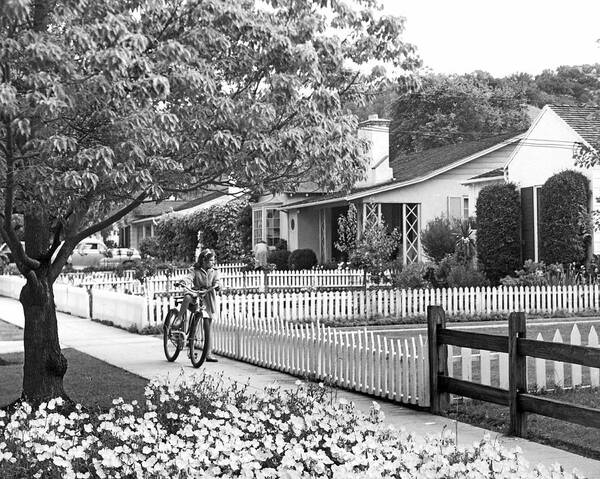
x,y
143,355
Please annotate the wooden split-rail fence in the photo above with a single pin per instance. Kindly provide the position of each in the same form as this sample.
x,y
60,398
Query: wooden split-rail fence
x,y
516,348
373,364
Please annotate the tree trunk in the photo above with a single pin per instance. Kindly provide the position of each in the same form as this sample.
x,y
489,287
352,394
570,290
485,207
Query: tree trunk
x,y
45,366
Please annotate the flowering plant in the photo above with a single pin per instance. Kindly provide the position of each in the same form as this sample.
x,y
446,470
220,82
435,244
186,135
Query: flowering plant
x,y
203,428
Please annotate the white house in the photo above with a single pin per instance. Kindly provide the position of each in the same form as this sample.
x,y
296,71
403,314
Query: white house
x,y
547,148
407,192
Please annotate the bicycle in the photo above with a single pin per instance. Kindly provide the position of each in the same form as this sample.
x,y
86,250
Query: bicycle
x,y
197,335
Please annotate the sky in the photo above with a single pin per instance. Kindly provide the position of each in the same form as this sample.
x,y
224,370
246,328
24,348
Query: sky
x,y
503,36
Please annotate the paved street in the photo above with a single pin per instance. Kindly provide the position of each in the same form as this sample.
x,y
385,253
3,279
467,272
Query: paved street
x,y
143,355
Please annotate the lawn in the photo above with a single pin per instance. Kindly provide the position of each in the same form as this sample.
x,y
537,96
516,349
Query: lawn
x,y
10,332
564,435
88,381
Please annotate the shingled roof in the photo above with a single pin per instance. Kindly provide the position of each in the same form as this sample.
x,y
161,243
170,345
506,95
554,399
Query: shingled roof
x,y
415,165
418,165
585,120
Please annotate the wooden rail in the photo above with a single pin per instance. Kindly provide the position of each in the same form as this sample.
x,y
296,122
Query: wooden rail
x,y
518,347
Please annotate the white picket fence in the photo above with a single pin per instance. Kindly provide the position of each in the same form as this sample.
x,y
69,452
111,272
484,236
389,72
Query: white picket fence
x,y
384,367
231,279
491,369
397,303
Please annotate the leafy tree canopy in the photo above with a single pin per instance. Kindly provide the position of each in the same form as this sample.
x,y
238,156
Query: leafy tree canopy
x,y
453,108
118,102
107,104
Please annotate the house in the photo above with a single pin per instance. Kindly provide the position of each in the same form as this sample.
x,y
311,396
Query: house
x,y
547,148
140,223
406,192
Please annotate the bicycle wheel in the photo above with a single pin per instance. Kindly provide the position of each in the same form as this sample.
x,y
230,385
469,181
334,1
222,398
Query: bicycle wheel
x,y
199,337
172,337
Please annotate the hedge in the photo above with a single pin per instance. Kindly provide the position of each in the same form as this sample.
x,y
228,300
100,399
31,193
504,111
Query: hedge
x,y
564,200
499,230
219,224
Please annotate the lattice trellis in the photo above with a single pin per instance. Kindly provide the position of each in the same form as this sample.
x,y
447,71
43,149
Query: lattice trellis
x,y
323,233
371,217
411,228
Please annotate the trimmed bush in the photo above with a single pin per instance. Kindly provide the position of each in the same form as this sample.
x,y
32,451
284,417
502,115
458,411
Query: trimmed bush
x,y
564,237
438,239
302,259
499,230
279,258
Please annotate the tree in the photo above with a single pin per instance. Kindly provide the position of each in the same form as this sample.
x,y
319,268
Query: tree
x,y
105,105
347,231
448,109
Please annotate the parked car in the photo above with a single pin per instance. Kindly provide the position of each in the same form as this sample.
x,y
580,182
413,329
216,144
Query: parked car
x,y
93,252
120,256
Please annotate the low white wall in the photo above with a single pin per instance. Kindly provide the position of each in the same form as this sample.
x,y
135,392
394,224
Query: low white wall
x,y
121,309
11,286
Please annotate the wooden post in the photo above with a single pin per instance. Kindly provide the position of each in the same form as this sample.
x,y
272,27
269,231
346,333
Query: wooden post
x,y
438,354
517,375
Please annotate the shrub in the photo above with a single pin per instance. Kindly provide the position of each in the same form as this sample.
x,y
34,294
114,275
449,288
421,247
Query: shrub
x,y
465,276
150,247
302,259
244,228
564,236
376,250
412,276
498,230
279,258
438,239
218,225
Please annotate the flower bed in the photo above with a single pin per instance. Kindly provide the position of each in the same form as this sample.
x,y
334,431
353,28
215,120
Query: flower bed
x,y
201,428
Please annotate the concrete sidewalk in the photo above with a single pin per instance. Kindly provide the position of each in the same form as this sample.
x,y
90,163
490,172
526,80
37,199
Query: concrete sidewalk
x,y
143,355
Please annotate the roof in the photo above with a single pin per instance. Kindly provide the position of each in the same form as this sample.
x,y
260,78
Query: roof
x,y
414,165
417,167
489,174
156,209
585,120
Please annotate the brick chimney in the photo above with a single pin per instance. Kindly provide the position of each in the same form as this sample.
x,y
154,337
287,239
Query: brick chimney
x,y
377,131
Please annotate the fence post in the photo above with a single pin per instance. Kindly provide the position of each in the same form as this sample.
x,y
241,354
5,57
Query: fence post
x,y
517,374
438,354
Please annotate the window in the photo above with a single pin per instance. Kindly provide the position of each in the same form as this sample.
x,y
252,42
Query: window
x,y
147,231
454,207
257,225
272,227
266,226
465,207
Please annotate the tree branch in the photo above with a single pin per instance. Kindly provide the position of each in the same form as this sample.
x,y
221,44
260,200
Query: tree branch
x,y
71,241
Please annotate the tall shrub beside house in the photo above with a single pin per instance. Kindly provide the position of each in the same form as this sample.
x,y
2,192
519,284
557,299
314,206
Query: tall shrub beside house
x,y
498,230
218,225
564,232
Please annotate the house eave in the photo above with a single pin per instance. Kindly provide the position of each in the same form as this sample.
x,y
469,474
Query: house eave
x,y
482,180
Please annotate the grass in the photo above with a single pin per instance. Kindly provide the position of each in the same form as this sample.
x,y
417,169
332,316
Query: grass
x,y
88,381
578,439
10,332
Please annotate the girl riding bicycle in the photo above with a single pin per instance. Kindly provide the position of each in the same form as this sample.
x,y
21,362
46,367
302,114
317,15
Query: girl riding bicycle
x,y
204,279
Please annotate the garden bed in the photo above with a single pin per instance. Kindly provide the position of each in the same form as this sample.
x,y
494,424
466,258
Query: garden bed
x,y
199,427
571,437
